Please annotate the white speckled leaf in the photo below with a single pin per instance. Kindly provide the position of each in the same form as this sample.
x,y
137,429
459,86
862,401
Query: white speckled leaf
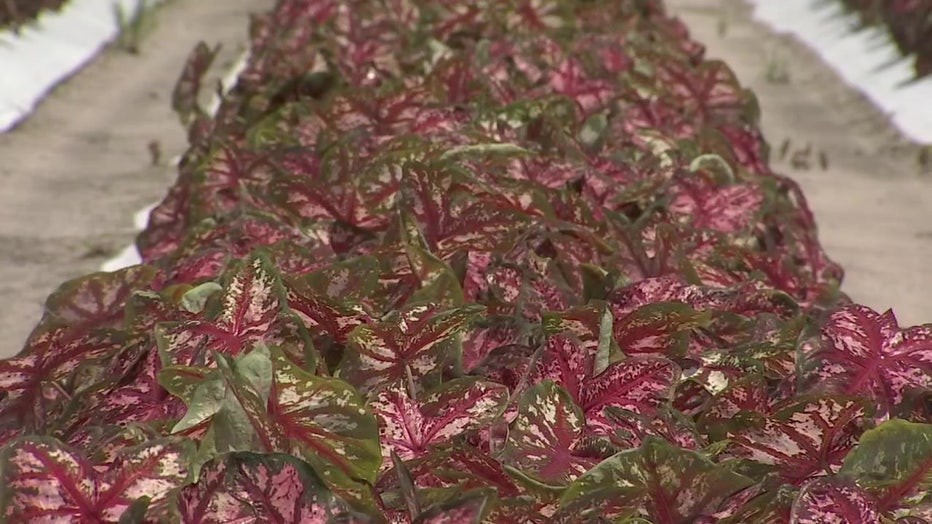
x,y
833,500
894,460
865,353
809,437
44,480
254,488
409,427
380,353
671,484
542,439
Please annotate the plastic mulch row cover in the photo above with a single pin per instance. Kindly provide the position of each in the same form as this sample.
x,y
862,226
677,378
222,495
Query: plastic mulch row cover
x,y
496,261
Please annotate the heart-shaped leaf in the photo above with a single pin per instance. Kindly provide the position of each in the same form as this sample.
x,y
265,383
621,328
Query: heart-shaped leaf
x,y
669,484
894,461
865,353
251,487
808,437
44,480
410,427
544,437
412,343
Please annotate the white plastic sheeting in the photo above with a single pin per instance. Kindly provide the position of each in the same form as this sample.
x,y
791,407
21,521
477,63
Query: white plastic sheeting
x,y
46,52
130,255
866,59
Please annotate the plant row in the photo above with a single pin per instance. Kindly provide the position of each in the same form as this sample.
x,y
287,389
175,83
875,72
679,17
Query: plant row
x,y
16,13
909,23
496,261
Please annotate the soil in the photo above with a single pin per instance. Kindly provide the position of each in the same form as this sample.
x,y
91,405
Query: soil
x,y
873,200
74,172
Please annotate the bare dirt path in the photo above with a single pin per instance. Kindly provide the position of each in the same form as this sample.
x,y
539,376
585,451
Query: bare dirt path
x,y
73,174
873,203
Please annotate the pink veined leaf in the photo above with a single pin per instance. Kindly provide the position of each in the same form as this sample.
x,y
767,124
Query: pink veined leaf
x,y
662,482
833,499
868,354
745,394
51,358
325,421
667,288
710,90
449,465
543,440
412,343
569,79
728,209
188,87
660,328
96,300
250,310
329,300
804,439
47,481
137,398
465,510
637,384
452,218
894,462
252,488
410,427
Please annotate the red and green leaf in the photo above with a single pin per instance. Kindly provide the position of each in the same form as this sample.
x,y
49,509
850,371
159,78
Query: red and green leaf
x,y
410,427
252,487
544,439
804,439
868,354
44,480
415,343
668,484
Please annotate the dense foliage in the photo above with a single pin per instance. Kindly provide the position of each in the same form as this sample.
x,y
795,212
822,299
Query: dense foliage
x,y
909,23
496,261
14,13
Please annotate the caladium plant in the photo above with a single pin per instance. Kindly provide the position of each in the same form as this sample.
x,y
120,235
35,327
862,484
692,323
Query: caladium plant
x,y
490,261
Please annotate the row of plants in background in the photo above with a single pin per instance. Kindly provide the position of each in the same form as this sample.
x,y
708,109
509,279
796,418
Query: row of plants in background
x,y
496,261
16,13
909,23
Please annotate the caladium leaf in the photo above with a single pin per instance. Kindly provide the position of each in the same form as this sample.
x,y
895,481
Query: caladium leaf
x,y
866,353
330,299
659,328
833,499
806,438
451,218
638,384
264,402
96,300
41,377
413,343
409,427
326,422
894,461
252,487
44,480
188,87
455,465
250,309
669,484
544,437
468,509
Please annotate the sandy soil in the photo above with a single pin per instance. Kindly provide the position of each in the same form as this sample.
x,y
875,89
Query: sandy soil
x,y
73,173
873,203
